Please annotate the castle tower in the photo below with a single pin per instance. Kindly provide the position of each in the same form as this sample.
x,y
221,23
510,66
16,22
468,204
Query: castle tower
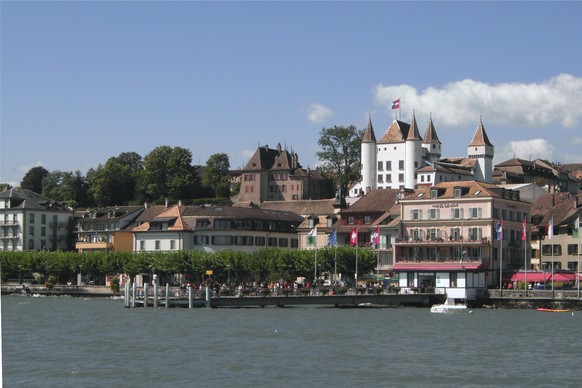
x,y
369,157
413,154
431,143
482,150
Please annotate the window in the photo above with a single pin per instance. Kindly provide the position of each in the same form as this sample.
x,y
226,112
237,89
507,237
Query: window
x,y
31,231
495,213
572,249
31,218
433,214
172,245
350,220
417,234
428,178
43,219
294,243
157,245
434,193
222,224
547,249
142,245
260,241
330,222
244,240
388,178
202,224
434,234
455,234
222,240
272,242
43,231
474,212
380,178
31,244
416,214
504,214
380,166
401,164
367,220
388,166
422,178
458,193
201,240
456,213
573,266
475,233
283,242
400,177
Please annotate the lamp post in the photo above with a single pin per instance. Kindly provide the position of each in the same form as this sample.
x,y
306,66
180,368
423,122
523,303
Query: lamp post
x,y
19,274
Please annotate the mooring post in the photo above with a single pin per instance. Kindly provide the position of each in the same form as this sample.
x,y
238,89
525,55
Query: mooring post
x,y
189,296
133,294
145,295
207,296
156,294
126,294
167,295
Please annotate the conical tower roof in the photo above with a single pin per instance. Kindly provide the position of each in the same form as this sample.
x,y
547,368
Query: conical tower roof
x,y
430,135
369,136
480,138
413,133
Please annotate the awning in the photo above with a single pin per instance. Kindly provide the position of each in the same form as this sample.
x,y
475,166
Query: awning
x,y
428,266
542,277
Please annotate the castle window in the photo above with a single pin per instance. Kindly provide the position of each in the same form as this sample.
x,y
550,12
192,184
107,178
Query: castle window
x,y
388,165
380,166
401,164
380,178
400,177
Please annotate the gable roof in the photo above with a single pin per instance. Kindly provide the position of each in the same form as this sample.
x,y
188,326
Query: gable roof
x,y
396,132
376,200
28,199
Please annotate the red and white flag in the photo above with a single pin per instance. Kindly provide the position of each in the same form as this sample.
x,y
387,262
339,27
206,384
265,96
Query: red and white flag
x,y
396,104
354,237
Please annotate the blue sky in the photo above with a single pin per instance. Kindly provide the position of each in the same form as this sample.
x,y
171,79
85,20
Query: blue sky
x,y
84,81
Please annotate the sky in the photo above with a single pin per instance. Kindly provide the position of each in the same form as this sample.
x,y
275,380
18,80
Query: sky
x,y
84,81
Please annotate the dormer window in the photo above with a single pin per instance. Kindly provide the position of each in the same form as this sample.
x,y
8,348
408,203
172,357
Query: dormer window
x,y
434,193
458,192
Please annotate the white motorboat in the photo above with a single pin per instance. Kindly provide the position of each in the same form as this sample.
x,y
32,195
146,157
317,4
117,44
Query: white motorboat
x,y
449,307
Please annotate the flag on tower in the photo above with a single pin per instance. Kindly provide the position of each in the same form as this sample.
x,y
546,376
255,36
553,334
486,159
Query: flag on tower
x,y
396,104
354,237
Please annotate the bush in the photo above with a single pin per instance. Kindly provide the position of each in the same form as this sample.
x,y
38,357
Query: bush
x,y
114,285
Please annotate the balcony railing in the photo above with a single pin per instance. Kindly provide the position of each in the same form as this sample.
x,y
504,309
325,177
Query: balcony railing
x,y
442,241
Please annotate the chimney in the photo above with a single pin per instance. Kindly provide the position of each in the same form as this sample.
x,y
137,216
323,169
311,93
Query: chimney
x,y
166,202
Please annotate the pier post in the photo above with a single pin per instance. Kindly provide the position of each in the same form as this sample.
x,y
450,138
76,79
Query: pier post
x,y
156,294
189,297
167,295
133,294
207,296
145,295
126,294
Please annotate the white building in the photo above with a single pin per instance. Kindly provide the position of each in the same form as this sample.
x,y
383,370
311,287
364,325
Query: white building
x,y
29,221
402,159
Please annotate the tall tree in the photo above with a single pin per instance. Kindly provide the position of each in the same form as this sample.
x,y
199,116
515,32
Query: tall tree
x,y
33,179
115,182
217,172
341,154
168,172
68,187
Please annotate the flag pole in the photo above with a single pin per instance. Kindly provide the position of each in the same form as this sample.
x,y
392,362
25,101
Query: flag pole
x,y
552,244
525,255
578,228
356,285
501,266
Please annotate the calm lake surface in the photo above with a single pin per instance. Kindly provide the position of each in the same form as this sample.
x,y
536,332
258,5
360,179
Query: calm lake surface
x,y
96,342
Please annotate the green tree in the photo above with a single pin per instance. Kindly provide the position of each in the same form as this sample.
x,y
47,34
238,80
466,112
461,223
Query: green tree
x,y
341,154
32,180
168,172
115,183
217,173
68,187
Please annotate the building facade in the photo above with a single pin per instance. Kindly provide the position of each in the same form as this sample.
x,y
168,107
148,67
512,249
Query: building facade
x,y
403,159
449,237
30,221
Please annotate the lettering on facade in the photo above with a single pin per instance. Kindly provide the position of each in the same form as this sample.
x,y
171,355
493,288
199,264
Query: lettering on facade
x,y
445,204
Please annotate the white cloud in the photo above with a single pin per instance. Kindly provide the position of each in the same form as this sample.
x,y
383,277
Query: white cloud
x,y
526,149
556,102
318,113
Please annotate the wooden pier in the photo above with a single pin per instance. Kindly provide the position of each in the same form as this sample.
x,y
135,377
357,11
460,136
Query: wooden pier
x,y
144,297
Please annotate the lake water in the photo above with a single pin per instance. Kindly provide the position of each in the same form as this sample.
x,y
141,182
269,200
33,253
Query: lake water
x,y
96,342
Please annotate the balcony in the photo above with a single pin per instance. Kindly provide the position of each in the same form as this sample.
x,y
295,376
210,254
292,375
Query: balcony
x,y
441,241
440,264
88,246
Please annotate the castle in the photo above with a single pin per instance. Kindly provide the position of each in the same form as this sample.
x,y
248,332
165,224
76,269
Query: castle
x,y
401,159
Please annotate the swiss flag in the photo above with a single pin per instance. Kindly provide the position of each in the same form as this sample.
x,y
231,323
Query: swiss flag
x,y
354,237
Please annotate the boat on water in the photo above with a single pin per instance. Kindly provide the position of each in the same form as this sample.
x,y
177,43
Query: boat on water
x,y
546,310
449,307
